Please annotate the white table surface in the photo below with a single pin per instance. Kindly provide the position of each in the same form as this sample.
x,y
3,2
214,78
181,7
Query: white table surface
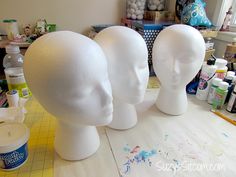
x,y
197,144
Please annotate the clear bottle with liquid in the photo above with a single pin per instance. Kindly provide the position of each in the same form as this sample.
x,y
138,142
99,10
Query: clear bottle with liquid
x,y
13,58
13,64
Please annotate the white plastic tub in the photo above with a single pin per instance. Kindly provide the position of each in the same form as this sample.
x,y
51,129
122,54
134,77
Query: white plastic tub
x,y
13,145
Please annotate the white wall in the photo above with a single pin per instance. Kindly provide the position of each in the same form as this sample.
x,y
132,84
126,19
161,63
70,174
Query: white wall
x,y
210,8
171,5
75,15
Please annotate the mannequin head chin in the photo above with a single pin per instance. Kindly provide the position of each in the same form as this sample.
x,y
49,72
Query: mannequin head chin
x,y
130,99
178,54
127,58
86,122
67,73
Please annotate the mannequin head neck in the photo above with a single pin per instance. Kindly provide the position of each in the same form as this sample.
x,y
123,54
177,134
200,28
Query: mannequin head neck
x,y
178,54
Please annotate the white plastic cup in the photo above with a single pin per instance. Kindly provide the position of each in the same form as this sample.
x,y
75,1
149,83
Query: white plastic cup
x,y
11,28
13,145
12,98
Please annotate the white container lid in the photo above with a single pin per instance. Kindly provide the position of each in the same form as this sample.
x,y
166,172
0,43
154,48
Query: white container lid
x,y
12,136
234,79
12,49
220,62
223,85
230,73
216,81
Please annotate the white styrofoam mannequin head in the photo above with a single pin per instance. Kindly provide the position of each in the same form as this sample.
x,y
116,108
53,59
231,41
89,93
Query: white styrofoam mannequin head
x,y
67,73
178,54
127,56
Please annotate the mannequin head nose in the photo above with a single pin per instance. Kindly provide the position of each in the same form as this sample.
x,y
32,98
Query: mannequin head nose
x,y
106,97
137,77
175,67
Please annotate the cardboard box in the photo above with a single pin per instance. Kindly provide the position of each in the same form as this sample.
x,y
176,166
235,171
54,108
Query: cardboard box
x,y
208,54
128,22
209,33
159,16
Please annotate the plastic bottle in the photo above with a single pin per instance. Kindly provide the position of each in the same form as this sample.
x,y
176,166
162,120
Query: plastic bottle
x,y
231,107
206,76
13,64
13,58
220,95
221,68
212,90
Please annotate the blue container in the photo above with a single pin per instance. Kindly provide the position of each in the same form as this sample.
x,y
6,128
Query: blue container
x,y
13,145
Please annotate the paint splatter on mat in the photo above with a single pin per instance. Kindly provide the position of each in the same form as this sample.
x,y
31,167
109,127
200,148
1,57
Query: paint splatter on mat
x,y
136,156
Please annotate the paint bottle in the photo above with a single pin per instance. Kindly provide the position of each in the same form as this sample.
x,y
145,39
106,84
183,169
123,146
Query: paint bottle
x,y
231,107
220,95
206,76
221,68
229,79
212,90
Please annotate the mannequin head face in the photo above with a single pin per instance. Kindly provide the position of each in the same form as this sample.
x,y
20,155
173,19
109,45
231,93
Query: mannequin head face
x,y
127,57
178,54
67,73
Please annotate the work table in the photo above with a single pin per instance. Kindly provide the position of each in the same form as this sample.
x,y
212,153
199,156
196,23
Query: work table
x,y
159,145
